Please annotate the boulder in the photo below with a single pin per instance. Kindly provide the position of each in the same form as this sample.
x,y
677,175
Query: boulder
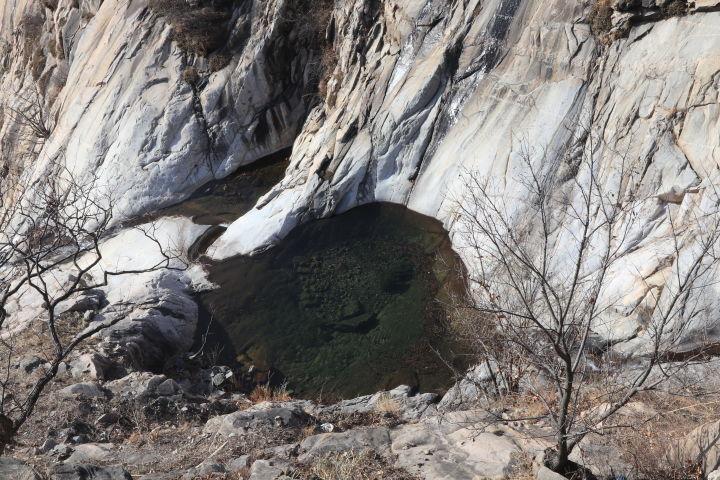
x,y
204,470
453,449
11,468
376,439
92,453
84,390
408,405
88,472
262,415
92,365
143,385
29,363
269,470
714,475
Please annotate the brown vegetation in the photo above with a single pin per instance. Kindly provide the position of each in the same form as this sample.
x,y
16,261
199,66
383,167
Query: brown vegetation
x,y
199,31
351,465
600,17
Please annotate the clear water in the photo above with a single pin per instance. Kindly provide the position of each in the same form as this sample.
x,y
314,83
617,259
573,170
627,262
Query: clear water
x,y
343,306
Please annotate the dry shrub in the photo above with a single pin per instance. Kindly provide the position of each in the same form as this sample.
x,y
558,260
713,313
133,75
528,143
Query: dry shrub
x,y
676,8
37,63
352,465
218,61
31,28
348,421
387,404
191,76
168,7
600,18
267,393
50,4
199,31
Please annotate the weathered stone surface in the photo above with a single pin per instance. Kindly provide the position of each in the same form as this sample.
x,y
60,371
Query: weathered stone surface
x,y
258,416
88,472
453,450
269,470
92,453
11,468
143,384
545,473
91,365
408,406
84,390
376,439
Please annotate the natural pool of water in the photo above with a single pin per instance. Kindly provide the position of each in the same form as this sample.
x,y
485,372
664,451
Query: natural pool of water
x,y
343,306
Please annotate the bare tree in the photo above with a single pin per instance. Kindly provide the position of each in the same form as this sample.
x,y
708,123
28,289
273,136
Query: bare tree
x,y
50,246
542,258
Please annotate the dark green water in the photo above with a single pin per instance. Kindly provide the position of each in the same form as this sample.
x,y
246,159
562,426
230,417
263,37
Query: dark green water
x,y
225,200
343,306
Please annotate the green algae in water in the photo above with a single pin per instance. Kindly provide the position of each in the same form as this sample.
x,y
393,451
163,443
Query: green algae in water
x,y
345,306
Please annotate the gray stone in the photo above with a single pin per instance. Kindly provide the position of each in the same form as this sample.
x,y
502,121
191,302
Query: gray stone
x,y
84,390
269,470
88,472
264,414
205,469
238,464
29,363
107,419
409,407
13,469
374,438
92,453
701,445
142,384
715,475
545,473
47,445
167,388
91,365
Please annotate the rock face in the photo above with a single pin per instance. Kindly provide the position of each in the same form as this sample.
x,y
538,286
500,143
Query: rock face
x,y
128,114
417,92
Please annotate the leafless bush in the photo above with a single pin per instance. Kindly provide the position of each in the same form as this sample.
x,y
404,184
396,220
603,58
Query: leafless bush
x,y
542,262
50,246
27,111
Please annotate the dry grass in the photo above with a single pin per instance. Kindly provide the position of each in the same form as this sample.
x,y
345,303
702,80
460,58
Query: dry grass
x,y
351,465
647,447
387,404
267,393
